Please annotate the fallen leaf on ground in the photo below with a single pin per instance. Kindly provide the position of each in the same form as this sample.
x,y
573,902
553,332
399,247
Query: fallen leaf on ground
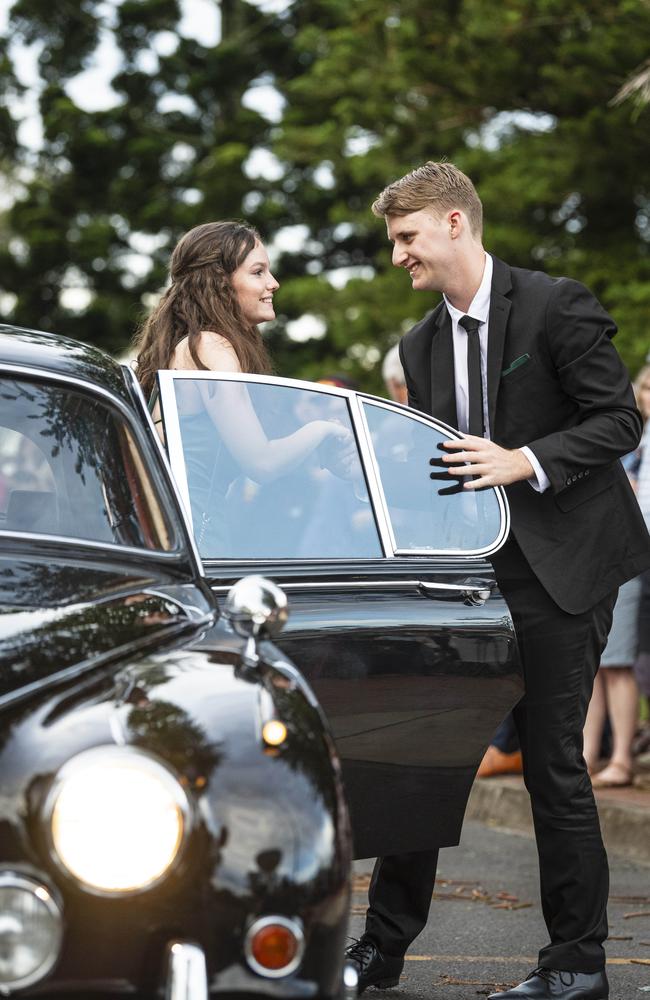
x,y
636,913
452,981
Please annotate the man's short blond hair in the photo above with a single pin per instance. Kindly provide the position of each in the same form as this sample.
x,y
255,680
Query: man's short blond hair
x,y
439,187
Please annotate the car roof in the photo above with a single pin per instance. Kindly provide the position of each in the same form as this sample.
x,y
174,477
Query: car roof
x,y
34,349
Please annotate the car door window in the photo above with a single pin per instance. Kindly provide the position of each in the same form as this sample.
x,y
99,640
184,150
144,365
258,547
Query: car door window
x,y
70,466
424,515
230,443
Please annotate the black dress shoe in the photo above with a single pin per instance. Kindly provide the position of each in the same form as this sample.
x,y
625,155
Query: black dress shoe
x,y
373,967
549,984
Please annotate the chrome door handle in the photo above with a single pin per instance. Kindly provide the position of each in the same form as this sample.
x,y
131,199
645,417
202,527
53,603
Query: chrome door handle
x,y
473,592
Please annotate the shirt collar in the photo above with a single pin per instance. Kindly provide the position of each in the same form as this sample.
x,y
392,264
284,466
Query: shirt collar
x,y
479,307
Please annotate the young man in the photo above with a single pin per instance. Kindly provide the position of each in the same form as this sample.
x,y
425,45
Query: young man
x,y
524,366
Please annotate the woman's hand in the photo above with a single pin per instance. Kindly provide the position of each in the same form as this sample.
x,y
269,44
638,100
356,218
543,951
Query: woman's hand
x,y
340,452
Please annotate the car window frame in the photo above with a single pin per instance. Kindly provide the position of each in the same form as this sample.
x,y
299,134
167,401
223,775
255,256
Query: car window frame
x,y
361,430
178,548
451,433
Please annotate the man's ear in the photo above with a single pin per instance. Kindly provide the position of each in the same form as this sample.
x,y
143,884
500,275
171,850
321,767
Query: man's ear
x,y
455,220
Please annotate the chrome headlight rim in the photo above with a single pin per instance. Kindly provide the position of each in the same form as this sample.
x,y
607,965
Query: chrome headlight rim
x,y
294,925
11,879
150,762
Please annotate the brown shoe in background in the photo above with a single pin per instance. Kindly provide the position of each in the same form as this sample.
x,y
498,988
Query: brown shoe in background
x,y
495,762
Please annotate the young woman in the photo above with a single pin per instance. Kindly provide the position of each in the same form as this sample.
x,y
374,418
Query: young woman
x,y
221,287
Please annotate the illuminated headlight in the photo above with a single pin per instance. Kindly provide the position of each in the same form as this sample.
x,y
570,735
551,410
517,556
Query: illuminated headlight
x,y
30,931
117,819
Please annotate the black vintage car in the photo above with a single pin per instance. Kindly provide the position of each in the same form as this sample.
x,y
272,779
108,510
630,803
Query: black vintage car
x,y
171,815
172,821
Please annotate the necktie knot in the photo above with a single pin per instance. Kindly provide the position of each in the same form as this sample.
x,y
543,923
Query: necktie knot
x,y
469,324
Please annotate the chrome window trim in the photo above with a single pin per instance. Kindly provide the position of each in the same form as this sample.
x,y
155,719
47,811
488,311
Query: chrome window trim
x,y
90,388
109,547
148,418
400,584
370,472
360,425
171,423
388,535
504,510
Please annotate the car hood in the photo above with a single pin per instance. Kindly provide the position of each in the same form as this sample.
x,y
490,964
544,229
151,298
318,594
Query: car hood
x,y
67,616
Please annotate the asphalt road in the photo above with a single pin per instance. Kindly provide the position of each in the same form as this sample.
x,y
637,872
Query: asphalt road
x,y
486,923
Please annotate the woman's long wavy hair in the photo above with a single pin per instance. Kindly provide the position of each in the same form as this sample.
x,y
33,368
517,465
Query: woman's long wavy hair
x,y
201,297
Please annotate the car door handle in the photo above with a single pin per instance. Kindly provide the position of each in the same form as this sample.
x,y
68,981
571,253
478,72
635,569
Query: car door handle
x,y
473,592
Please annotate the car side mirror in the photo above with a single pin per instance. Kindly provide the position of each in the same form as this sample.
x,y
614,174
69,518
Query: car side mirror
x,y
257,609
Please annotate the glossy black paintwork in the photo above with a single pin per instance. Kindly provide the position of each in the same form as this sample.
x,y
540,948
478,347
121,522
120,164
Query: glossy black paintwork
x,y
100,646
414,682
270,829
62,356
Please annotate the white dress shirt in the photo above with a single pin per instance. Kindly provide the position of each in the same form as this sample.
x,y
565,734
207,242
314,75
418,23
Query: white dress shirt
x,y
479,309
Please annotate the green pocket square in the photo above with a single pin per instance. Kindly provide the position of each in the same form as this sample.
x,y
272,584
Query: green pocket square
x,y
516,364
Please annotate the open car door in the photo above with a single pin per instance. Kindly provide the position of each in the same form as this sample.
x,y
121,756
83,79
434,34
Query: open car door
x,y
395,620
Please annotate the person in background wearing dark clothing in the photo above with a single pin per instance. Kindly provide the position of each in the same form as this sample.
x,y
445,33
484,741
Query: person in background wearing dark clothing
x,y
503,755
523,364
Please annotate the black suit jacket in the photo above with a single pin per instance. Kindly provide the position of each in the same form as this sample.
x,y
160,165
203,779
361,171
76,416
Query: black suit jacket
x,y
556,384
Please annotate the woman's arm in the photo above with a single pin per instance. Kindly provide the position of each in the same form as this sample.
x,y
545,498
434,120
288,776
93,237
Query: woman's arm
x,y
234,416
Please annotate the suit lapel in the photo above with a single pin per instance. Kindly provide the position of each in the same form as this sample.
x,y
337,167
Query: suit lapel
x,y
497,323
443,392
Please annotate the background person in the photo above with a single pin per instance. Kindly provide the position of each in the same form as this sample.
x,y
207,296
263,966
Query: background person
x,y
616,694
642,665
393,376
523,364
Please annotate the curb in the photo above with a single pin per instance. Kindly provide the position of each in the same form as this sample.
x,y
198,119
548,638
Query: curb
x,y
504,803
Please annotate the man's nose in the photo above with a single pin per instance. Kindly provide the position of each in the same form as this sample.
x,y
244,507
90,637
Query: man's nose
x,y
399,256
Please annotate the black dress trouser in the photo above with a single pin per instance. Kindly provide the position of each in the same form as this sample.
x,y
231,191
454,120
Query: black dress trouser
x,y
560,655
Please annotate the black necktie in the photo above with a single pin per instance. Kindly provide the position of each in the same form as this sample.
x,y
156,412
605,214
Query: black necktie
x,y
474,380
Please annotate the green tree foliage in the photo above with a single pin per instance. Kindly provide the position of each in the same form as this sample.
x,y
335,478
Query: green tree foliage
x,y
170,154
520,94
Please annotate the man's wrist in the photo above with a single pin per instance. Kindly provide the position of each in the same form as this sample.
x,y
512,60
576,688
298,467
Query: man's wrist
x,y
524,466
539,481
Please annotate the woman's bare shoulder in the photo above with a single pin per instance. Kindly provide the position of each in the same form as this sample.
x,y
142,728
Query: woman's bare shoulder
x,y
215,351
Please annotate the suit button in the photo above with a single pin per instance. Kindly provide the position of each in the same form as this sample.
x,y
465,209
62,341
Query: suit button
x,y
586,472
568,482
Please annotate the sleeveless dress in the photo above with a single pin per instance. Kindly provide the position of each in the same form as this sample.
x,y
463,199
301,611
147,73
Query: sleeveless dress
x,y
210,471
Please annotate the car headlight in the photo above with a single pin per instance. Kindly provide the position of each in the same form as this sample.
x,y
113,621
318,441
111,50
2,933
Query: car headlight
x,y
31,928
117,819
